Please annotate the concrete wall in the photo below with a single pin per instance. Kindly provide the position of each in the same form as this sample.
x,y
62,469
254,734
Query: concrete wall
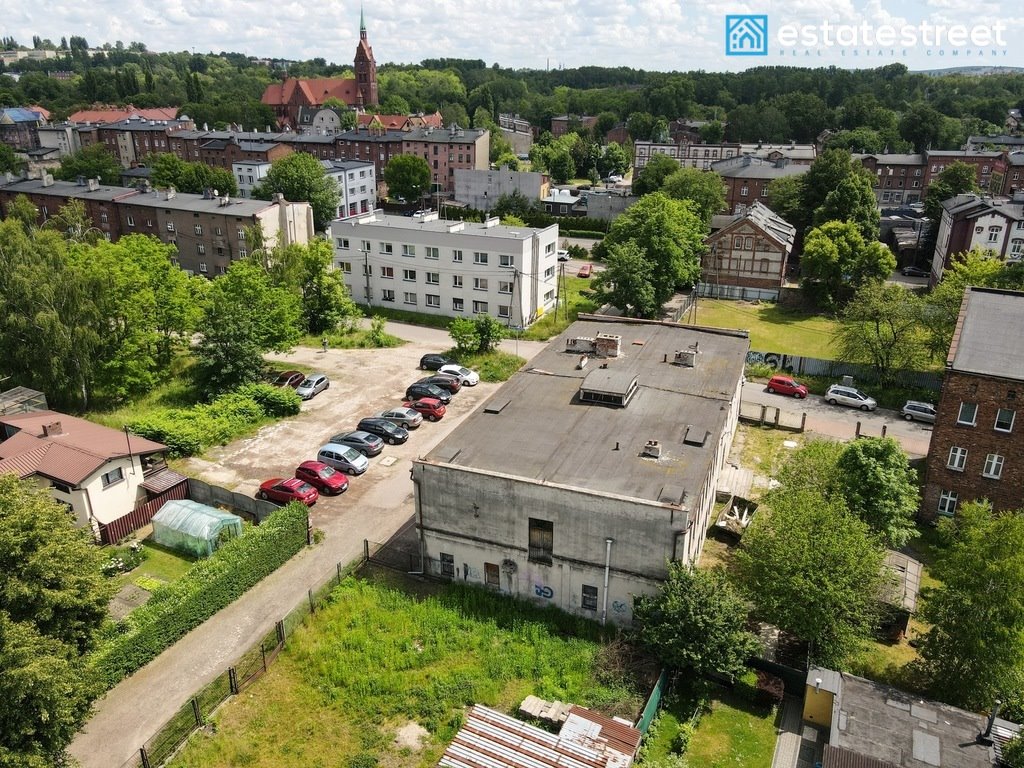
x,y
481,189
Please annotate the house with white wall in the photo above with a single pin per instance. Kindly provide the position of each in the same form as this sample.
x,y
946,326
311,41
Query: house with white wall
x,y
971,221
249,173
357,186
450,268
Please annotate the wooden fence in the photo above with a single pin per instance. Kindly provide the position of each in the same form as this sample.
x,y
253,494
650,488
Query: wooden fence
x,y
115,530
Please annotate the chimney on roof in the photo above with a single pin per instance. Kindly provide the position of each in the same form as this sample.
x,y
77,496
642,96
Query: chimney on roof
x,y
47,180
53,428
171,192
93,184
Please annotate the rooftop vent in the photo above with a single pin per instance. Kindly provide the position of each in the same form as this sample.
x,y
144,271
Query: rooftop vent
x,y
53,428
652,448
170,193
608,344
93,184
608,387
695,435
457,226
47,180
493,221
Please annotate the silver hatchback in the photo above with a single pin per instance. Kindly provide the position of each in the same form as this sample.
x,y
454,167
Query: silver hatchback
x,y
840,395
914,410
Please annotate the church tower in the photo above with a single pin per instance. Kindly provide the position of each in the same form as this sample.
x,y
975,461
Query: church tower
x,y
366,69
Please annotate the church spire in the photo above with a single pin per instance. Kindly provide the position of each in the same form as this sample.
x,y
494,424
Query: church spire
x,y
362,23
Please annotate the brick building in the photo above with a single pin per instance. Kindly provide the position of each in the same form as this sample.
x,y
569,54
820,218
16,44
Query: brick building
x,y
19,128
898,178
995,225
977,449
563,124
132,140
747,178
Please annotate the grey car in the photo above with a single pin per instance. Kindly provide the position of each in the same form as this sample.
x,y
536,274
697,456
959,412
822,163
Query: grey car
x,y
367,444
837,394
915,410
343,457
314,384
403,417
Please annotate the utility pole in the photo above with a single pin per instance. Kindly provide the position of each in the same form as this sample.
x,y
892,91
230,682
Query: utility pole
x,y
366,274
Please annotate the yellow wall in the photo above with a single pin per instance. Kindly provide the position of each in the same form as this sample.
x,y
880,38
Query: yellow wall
x,y
818,706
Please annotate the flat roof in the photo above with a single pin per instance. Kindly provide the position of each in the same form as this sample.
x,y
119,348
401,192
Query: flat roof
x,y
989,336
435,224
183,201
67,189
536,427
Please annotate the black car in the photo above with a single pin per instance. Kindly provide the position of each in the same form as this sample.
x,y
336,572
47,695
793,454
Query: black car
x,y
433,362
367,444
915,272
419,391
444,381
390,433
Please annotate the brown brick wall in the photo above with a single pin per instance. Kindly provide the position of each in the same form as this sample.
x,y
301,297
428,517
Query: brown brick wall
x,y
980,440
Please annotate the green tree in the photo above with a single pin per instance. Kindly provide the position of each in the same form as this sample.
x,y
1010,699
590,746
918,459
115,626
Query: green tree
x,y
8,162
974,651
812,568
653,175
836,262
489,332
561,166
326,303
53,599
785,197
300,178
825,174
942,305
712,132
852,200
73,223
408,177
639,125
704,188
882,326
696,622
165,170
614,160
627,282
957,178
464,334
875,478
23,211
245,316
514,203
90,162
921,126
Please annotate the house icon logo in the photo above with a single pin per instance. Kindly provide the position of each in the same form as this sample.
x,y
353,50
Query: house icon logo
x,y
746,35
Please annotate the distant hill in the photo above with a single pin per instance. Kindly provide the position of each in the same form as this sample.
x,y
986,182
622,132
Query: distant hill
x,y
980,70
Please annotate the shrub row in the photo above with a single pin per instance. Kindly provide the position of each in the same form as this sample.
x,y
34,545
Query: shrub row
x,y
209,585
188,431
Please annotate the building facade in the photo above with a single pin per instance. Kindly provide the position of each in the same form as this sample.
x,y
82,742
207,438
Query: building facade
x,y
481,189
995,225
452,269
19,128
585,474
977,447
357,186
248,175
748,258
747,179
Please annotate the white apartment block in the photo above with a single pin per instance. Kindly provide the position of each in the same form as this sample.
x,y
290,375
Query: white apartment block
x,y
450,268
248,174
357,186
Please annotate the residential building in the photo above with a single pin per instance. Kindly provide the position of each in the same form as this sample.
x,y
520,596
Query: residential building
x,y
562,202
748,258
977,447
449,268
990,224
19,128
248,175
222,149
687,155
357,186
899,179
98,472
61,136
1004,142
134,139
747,178
208,231
106,115
482,189
289,97
797,154
858,723
588,472
563,124
990,166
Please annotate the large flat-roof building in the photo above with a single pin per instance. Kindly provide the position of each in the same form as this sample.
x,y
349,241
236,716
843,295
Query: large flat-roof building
x,y
587,472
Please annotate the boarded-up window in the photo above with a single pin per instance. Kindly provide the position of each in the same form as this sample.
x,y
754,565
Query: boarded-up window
x,y
542,534
491,578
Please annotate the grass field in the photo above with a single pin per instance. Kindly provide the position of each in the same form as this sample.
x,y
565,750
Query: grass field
x,y
377,659
164,565
772,328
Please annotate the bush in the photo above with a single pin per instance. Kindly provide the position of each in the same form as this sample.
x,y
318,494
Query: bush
x,y
275,401
209,585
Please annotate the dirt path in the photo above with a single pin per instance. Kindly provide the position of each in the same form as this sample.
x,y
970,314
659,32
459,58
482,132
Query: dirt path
x,y
376,506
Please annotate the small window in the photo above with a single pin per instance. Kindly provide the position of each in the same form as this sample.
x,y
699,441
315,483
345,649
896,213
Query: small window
x,y
387,248
589,598
504,260
242,253
387,295
433,301
433,253
131,220
345,266
367,270
387,272
457,257
409,275
947,503
479,283
456,281
202,267
504,311
447,565
479,257
201,249
364,246
408,250
343,243
480,307
968,414
433,278
458,305
409,298
241,234
504,286
492,577
198,229
103,218
170,226
113,476
993,466
542,534
957,458
1004,420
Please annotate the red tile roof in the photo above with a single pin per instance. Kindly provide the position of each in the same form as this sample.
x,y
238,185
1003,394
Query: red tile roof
x,y
114,114
310,93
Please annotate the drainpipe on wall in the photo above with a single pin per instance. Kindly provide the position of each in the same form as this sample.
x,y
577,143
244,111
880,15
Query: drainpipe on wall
x,y
419,517
607,568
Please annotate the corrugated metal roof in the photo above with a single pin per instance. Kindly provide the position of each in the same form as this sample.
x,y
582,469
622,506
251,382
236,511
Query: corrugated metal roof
x,y
619,736
839,757
163,480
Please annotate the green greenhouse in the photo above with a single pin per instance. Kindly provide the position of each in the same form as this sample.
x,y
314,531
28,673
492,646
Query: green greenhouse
x,y
193,528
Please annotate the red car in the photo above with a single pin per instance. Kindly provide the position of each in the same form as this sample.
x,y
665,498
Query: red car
x,y
431,408
785,385
585,270
324,478
293,489
289,379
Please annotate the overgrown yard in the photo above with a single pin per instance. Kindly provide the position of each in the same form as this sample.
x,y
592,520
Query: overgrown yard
x,y
571,302
377,659
773,328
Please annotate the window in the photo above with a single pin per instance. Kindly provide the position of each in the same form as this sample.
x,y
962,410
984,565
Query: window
x,y
504,286
764,191
387,248
242,253
549,296
345,266
387,295
409,298
744,190
1016,247
433,278
343,243
433,253
409,275
542,534
202,266
504,311
364,245
479,258
131,220
149,223
458,305
1004,420
201,249
480,307
198,229
957,458
549,248
170,226
457,257
993,466
764,265
549,272
241,234
479,283
113,476
433,300
504,260
589,598
491,575
387,272
968,414
408,250
456,281
947,502
447,565
993,236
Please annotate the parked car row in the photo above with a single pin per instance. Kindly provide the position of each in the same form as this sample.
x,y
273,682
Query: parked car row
x,y
305,386
838,394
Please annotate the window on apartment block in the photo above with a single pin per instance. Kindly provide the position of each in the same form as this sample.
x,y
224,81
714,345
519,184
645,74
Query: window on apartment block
x,y
447,565
343,243
198,229
968,414
456,281
588,600
957,458
542,534
479,283
457,256
113,476
409,298
504,311
131,220
947,503
433,278
492,575
433,300
993,466
1004,420
170,226
479,257
549,273
345,266
480,307
458,305
387,248
504,260
387,295
433,253
202,267
241,234
149,223
504,286
409,275
364,245
242,253
201,249
408,250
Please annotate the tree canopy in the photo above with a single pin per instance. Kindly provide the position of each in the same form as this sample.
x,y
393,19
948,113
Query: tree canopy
x,y
837,261
301,178
91,162
704,188
652,176
168,170
407,177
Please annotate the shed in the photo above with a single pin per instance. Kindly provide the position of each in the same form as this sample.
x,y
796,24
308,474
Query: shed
x,y
194,528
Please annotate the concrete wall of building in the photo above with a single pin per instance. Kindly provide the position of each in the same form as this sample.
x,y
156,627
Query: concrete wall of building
x,y
248,175
482,189
608,207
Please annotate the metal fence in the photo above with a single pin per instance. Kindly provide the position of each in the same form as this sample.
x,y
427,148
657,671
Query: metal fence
x,y
653,702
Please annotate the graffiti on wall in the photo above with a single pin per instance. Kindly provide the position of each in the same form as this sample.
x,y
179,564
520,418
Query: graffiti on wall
x,y
542,590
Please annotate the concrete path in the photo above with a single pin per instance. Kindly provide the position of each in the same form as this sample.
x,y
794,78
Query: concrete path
x,y
787,747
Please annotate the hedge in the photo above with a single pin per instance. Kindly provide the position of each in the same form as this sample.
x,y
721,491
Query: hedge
x,y
188,431
211,584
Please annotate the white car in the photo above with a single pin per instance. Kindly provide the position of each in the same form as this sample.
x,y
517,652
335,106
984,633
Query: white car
x,y
563,255
465,376
614,179
840,395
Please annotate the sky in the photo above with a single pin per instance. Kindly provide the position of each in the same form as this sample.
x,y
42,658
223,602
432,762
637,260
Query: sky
x,y
657,35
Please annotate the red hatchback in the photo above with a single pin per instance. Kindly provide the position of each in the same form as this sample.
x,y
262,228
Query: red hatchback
x,y
293,489
431,408
324,478
784,385
289,379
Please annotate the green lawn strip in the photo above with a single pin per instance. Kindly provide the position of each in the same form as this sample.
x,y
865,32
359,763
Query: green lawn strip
x,y
375,658
773,328
493,366
360,338
735,732
570,303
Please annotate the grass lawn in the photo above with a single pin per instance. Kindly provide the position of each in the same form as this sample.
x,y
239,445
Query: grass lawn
x,y
762,449
493,366
573,301
773,328
160,563
376,659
